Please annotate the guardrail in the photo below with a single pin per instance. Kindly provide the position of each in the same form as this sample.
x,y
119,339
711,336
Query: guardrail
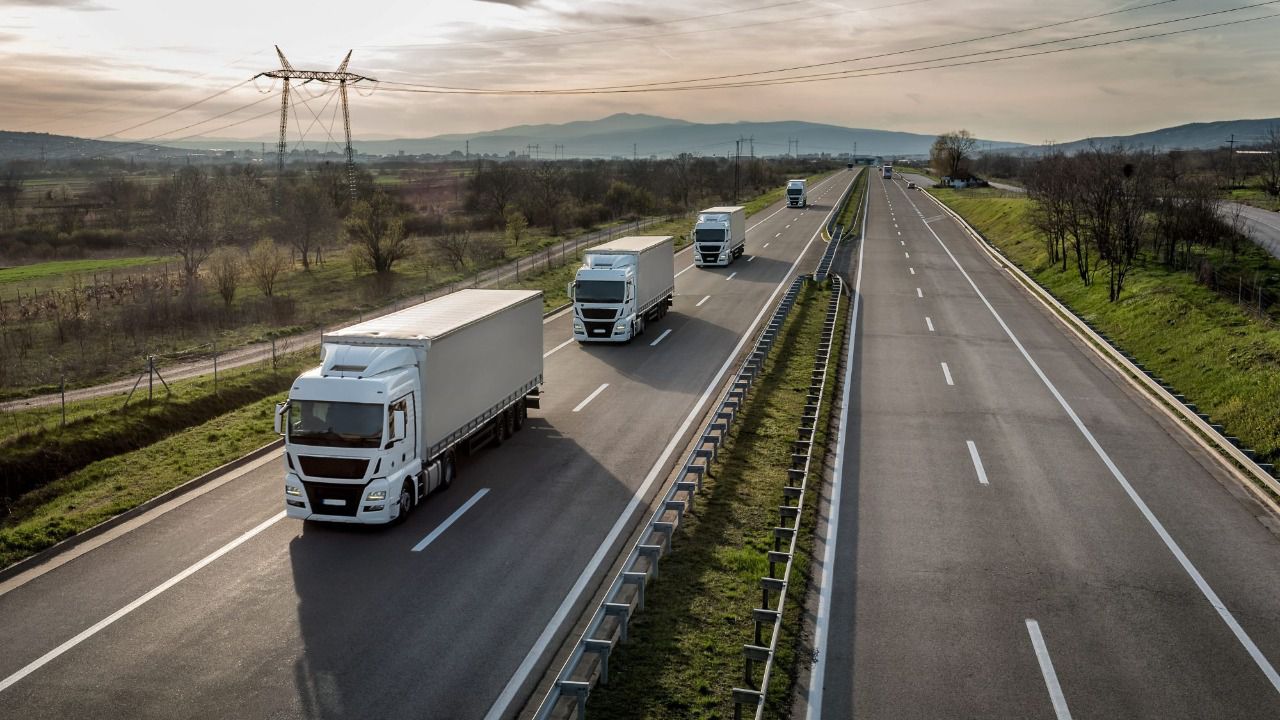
x,y
788,528
1264,474
588,663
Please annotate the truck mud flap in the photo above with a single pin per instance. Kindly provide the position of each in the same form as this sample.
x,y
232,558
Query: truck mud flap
x,y
533,400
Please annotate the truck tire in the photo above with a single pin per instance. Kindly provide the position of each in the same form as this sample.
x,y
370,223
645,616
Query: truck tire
x,y
499,429
447,471
405,501
521,414
511,414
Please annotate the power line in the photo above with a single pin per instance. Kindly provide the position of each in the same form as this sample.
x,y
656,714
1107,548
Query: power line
x,y
170,113
859,72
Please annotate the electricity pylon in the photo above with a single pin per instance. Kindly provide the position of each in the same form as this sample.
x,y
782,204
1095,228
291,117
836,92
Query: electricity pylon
x,y
342,78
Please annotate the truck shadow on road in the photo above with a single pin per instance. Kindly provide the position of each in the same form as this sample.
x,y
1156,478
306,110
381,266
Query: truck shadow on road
x,y
391,633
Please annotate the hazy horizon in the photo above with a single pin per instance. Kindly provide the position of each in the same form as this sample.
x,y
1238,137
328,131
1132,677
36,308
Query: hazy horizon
x,y
95,68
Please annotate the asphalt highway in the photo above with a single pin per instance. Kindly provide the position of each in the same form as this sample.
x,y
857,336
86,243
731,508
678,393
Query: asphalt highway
x,y
1018,533
218,608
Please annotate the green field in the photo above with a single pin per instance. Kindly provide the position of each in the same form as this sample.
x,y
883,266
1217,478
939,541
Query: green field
x,y
1221,357
684,652
64,269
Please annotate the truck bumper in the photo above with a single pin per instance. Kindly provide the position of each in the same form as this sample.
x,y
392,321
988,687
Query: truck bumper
x,y
381,517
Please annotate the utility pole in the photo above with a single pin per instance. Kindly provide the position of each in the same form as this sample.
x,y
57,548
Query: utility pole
x,y
343,79
635,155
1231,158
468,154
737,154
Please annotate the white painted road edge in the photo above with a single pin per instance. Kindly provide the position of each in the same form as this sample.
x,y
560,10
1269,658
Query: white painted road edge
x,y
504,699
1046,669
977,462
826,572
422,544
144,599
591,397
1203,585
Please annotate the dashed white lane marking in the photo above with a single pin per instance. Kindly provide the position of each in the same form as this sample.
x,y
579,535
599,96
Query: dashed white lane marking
x,y
913,270
919,293
702,301
548,353
946,373
660,337
929,321
732,275
450,520
591,397
753,257
1046,669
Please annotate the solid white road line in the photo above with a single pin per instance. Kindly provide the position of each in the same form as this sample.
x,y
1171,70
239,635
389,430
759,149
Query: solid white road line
x,y
702,301
591,397
149,595
499,707
548,353
1203,585
1046,669
826,572
424,542
732,275
660,337
977,462
919,293
929,322
946,372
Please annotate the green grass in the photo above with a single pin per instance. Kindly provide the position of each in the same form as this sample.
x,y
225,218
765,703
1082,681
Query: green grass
x,y
1256,197
852,211
1222,358
684,652
109,487
67,268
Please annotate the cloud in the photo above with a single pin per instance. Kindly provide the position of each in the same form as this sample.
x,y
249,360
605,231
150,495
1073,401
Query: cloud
x,y
512,3
9,37
77,5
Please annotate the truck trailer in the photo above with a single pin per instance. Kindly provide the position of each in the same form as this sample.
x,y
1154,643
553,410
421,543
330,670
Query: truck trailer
x,y
379,424
797,196
719,235
623,285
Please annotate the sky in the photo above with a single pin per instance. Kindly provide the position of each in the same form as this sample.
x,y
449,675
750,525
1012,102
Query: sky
x,y
111,68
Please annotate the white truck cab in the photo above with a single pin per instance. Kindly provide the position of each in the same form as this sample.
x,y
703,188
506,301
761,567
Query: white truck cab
x,y
797,194
622,286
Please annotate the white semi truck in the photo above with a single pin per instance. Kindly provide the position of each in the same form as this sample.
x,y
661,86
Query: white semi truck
x,y
623,285
719,235
796,194
378,425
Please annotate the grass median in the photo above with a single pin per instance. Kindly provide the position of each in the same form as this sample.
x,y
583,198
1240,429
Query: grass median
x,y
1222,358
684,653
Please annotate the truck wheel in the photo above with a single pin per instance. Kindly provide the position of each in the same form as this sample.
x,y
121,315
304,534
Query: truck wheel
x,y
500,429
511,415
406,501
447,471
521,413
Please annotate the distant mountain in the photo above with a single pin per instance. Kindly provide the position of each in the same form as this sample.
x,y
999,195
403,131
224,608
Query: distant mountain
x,y
1192,136
34,146
649,135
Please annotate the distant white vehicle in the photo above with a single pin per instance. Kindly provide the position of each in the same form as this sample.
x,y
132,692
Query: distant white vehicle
x,y
719,235
886,172
796,194
622,286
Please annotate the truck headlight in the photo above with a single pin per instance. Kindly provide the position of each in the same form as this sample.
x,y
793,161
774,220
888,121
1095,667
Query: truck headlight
x,y
293,490
376,495
620,327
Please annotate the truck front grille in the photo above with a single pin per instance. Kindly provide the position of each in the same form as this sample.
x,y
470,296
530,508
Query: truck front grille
x,y
713,256
599,329
332,467
334,498
598,313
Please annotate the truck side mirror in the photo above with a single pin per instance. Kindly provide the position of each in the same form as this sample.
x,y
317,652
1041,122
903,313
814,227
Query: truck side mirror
x,y
397,426
568,290
281,410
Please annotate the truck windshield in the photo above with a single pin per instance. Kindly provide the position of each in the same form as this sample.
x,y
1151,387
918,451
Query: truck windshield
x,y
794,191
599,291
337,424
715,235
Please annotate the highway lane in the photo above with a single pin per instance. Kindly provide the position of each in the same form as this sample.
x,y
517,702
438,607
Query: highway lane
x,y
997,559
314,621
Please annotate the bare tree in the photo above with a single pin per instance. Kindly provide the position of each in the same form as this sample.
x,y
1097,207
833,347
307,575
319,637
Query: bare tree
x,y
377,233
517,223
227,267
306,217
950,152
1049,187
1271,165
11,183
493,188
267,262
120,198
184,210
548,194
454,244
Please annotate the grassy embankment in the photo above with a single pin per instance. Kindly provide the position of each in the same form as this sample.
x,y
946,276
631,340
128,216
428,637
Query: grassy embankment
x,y
1221,357
1256,197
59,272
684,653
851,213
109,460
